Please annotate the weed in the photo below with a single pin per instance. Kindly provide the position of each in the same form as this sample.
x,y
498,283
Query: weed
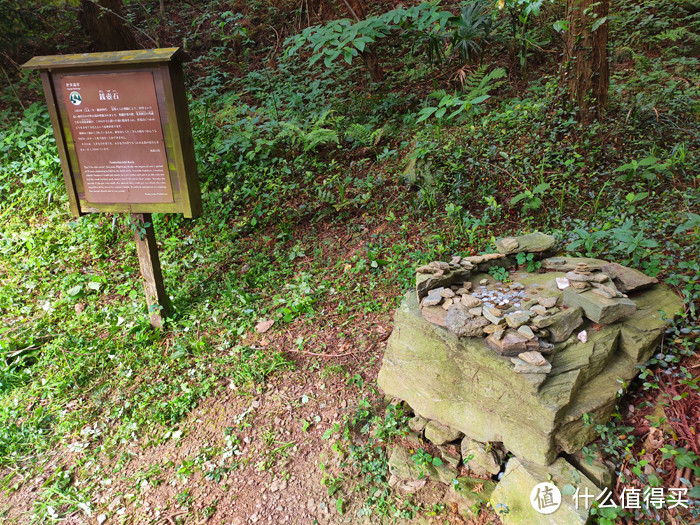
x,y
528,260
500,274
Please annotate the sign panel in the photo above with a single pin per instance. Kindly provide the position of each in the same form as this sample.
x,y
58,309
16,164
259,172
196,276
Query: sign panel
x,y
115,125
122,130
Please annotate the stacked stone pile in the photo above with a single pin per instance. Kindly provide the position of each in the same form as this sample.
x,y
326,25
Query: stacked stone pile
x,y
512,370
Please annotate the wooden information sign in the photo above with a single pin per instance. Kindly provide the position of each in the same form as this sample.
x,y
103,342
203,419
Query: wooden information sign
x,y
123,134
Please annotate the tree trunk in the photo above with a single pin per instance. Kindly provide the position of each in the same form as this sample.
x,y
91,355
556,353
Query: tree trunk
x,y
104,23
358,10
586,71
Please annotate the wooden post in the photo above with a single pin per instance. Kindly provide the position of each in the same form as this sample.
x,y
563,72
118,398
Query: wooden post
x,y
156,298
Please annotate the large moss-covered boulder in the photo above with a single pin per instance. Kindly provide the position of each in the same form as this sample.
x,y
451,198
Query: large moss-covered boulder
x,y
462,383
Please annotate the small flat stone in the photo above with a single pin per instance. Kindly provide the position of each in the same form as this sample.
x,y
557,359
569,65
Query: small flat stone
x,y
488,314
522,367
563,264
628,279
469,301
579,285
562,324
545,347
611,291
493,328
446,305
526,331
511,344
538,309
447,293
582,336
425,269
533,358
440,265
484,282
434,297
603,293
456,259
517,319
475,311
562,282
579,277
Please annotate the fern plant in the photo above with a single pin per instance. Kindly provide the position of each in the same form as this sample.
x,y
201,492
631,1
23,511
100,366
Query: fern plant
x,y
312,135
347,39
476,90
364,134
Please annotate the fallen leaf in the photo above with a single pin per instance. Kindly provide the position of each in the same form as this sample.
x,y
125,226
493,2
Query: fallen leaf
x,y
264,326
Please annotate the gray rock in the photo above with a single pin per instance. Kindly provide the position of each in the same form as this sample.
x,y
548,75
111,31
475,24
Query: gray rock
x,y
434,297
628,279
450,455
548,302
532,242
512,343
429,281
539,310
597,470
515,488
475,311
465,384
469,301
579,277
495,319
526,331
565,264
599,309
464,324
434,314
480,458
440,434
509,245
562,324
417,423
517,319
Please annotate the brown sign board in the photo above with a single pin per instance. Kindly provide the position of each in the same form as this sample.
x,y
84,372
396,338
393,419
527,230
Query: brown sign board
x,y
123,132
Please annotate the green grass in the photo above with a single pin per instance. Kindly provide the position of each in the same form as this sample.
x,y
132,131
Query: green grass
x,y
311,218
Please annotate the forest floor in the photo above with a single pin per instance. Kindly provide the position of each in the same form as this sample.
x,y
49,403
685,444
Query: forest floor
x,y
322,193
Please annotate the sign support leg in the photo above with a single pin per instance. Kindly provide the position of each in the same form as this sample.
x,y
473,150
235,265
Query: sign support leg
x,y
156,298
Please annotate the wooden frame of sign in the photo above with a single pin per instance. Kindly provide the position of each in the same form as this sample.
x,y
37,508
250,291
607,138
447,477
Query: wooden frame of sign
x,y
122,129
123,134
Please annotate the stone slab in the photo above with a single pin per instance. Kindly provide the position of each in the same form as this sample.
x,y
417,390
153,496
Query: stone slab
x,y
599,309
532,242
519,479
